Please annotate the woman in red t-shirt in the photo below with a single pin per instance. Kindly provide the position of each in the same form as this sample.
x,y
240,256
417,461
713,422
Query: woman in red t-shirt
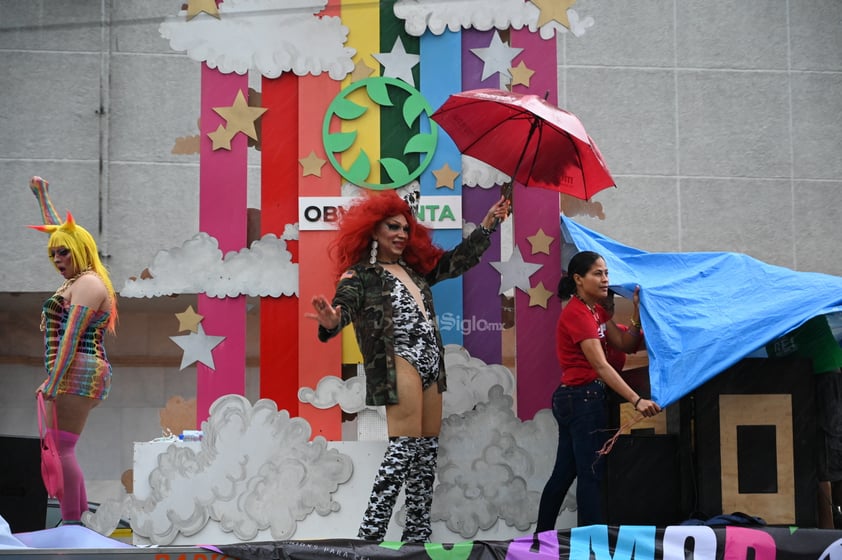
x,y
584,331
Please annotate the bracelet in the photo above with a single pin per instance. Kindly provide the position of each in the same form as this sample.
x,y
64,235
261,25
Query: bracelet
x,y
637,402
486,230
635,322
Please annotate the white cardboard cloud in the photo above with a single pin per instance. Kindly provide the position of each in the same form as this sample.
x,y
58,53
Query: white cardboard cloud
x,y
198,266
268,36
256,470
437,16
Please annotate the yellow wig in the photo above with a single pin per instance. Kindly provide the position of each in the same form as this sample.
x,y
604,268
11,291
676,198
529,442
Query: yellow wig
x,y
84,254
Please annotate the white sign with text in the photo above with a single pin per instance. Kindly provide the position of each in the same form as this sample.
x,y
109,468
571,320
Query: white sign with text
x,y
317,213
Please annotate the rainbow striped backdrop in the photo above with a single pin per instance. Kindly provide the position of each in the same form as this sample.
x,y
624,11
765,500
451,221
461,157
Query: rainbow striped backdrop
x,y
290,354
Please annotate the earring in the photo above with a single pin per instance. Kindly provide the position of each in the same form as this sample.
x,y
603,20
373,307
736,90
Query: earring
x,y
373,253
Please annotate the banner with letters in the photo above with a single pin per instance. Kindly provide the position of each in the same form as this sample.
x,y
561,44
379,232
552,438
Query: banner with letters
x,y
598,542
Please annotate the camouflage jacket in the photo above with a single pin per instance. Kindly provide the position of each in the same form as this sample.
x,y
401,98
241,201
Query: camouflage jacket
x,y
366,302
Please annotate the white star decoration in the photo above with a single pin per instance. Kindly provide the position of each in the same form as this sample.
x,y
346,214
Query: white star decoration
x,y
197,347
398,63
497,57
515,273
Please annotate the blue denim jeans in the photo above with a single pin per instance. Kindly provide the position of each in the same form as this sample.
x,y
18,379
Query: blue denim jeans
x,y
582,421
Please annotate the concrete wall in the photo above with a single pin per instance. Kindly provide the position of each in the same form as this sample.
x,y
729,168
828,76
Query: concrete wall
x,y
720,120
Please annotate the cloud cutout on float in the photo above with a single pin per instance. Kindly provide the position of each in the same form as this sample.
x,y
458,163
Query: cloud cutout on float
x,y
477,173
468,382
332,391
256,470
493,466
469,379
198,266
435,15
268,36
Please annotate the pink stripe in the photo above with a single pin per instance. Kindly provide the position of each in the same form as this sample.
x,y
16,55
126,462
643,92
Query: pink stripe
x,y
222,215
537,209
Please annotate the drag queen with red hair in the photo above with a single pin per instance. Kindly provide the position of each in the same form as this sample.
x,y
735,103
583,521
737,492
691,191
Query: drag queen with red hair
x,y
74,320
386,262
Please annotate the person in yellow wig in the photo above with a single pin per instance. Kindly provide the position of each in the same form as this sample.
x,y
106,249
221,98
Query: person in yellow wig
x,y
74,320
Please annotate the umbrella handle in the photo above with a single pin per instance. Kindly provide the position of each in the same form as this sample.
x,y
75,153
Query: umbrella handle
x,y
506,192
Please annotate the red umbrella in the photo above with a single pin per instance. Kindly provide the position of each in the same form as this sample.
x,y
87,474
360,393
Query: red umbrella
x,y
524,136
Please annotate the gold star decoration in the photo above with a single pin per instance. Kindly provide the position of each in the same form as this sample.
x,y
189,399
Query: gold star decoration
x,y
539,295
188,320
312,165
521,74
361,71
553,10
445,176
239,117
196,7
540,242
221,138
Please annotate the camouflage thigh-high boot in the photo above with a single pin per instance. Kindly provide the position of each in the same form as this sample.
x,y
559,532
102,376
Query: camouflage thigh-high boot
x,y
387,485
419,491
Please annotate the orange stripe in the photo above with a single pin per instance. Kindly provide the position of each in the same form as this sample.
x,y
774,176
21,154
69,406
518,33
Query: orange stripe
x,y
315,273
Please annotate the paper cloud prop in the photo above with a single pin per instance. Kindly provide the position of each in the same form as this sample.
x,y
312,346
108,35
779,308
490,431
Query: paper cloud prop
x,y
469,379
332,391
492,465
419,15
265,270
437,16
256,470
269,36
476,173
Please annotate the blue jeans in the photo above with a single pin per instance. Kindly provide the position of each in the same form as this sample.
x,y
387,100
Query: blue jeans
x,y
582,421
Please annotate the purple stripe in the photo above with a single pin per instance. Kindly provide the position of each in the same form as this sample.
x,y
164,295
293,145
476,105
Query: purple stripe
x,y
481,301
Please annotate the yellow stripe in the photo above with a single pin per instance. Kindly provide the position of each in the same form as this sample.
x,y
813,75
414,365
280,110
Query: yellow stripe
x,y
362,17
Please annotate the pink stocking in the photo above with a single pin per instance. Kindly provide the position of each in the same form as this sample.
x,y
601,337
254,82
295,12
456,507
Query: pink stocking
x,y
75,499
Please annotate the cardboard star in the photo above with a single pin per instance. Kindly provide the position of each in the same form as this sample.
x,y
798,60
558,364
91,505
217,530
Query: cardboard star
x,y
361,71
445,176
539,295
398,63
553,10
540,242
196,7
197,347
239,117
515,273
188,320
221,138
496,57
521,74
312,165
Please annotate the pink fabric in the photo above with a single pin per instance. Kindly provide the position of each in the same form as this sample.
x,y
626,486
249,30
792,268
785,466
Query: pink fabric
x,y
75,499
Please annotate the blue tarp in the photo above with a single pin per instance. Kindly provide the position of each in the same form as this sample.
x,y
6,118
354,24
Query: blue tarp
x,y
704,312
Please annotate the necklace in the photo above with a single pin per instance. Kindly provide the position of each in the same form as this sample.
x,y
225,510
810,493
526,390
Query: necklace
x,y
60,291
388,262
592,309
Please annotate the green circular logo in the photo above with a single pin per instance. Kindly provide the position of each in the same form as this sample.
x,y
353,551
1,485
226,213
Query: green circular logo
x,y
387,95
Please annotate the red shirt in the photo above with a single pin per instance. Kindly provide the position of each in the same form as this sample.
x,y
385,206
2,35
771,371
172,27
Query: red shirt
x,y
575,324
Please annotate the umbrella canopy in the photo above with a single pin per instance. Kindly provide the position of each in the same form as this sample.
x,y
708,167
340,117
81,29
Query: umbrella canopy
x,y
529,139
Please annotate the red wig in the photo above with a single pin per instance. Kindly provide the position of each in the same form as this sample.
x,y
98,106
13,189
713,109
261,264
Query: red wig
x,y
357,225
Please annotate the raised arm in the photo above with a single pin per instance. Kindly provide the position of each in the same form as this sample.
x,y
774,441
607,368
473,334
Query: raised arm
x,y
39,186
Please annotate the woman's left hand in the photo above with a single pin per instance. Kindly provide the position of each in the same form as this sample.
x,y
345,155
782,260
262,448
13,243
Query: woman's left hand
x,y
497,213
